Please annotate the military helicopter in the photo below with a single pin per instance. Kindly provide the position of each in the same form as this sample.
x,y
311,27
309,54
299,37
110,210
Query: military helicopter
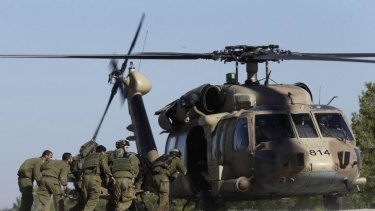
x,y
244,141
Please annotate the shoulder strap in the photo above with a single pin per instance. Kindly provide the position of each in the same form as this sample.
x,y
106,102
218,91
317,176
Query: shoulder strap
x,y
129,155
163,161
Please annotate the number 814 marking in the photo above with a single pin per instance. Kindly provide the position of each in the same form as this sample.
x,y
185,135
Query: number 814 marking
x,y
319,152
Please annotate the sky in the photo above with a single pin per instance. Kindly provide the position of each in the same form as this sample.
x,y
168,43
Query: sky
x,y
56,104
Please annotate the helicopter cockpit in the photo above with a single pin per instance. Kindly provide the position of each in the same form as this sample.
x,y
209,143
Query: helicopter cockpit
x,y
272,127
333,125
277,126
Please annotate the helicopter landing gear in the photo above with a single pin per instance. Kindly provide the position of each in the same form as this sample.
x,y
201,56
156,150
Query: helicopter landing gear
x,y
333,202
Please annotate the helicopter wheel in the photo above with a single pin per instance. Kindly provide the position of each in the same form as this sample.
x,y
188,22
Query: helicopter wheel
x,y
333,202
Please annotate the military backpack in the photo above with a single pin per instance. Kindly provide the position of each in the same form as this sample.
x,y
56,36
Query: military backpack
x,y
123,163
78,160
91,161
163,161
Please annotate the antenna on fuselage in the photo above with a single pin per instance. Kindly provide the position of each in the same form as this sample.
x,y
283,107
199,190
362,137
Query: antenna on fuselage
x,y
331,100
268,74
236,71
143,49
320,88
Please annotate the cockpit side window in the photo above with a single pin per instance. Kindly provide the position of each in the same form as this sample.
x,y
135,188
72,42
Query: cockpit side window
x,y
241,135
304,125
333,125
270,127
218,140
215,143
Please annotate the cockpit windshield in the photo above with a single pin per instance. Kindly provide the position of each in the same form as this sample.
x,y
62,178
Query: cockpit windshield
x,y
333,125
270,127
304,125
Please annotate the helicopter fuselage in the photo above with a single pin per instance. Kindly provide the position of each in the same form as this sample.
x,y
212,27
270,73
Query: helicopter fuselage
x,y
260,142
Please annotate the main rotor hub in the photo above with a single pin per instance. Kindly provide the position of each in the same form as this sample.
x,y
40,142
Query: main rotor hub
x,y
246,54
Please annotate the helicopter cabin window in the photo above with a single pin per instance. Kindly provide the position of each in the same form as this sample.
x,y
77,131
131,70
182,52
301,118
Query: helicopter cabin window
x,y
304,125
241,135
270,127
214,143
333,125
217,149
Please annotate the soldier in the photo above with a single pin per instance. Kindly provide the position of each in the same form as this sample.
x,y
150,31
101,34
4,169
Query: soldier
x,y
76,169
142,182
143,166
78,160
119,151
125,169
28,172
164,168
94,165
54,175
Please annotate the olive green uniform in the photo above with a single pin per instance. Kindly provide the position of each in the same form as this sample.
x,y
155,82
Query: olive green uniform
x,y
28,172
54,174
94,165
161,173
125,169
142,181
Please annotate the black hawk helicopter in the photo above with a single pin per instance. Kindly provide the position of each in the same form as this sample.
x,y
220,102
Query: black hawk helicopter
x,y
244,141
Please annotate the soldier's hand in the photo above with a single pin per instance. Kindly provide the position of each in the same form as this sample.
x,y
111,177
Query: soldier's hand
x,y
138,191
66,190
113,180
174,176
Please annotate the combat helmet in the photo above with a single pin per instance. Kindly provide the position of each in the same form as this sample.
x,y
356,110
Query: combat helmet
x,y
121,143
175,152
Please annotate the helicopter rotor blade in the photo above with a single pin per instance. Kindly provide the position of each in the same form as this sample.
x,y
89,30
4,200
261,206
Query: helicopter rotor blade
x,y
346,55
143,55
194,56
239,53
314,57
119,83
113,68
123,92
103,116
124,64
117,73
113,64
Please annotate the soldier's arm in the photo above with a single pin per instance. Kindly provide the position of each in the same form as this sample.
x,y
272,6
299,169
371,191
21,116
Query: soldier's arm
x,y
104,164
181,167
64,173
71,177
37,171
135,164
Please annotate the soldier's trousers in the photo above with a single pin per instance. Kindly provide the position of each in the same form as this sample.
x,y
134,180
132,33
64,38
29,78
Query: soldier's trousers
x,y
124,193
91,191
50,186
161,184
26,188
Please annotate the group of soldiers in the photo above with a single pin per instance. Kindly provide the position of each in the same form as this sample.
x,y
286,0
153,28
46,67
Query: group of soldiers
x,y
121,173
